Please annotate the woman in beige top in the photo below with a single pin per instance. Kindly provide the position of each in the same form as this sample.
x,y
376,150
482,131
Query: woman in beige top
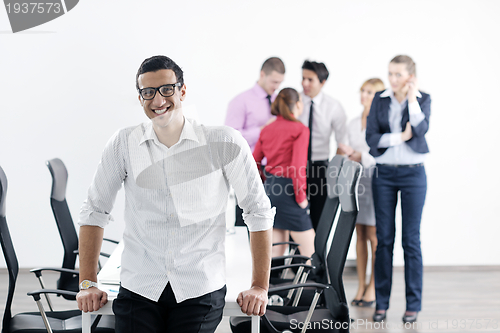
x,y
365,222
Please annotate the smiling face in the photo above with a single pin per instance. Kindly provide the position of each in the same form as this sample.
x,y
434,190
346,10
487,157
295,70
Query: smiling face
x,y
398,76
162,110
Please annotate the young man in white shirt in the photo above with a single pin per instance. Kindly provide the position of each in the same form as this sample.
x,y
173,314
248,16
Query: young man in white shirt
x,y
328,119
176,174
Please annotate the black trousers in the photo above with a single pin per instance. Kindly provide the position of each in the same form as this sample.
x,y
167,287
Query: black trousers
x,y
134,313
316,189
239,217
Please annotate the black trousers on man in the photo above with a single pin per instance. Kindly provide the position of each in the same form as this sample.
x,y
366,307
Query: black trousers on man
x,y
316,189
134,313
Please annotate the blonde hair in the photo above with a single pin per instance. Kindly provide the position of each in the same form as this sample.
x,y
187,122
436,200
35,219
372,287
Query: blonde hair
x,y
376,83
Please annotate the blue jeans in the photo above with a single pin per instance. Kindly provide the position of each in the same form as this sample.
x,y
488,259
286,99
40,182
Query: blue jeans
x,y
412,183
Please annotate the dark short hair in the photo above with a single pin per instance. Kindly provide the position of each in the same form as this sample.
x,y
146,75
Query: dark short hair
x,y
273,64
317,67
157,63
411,67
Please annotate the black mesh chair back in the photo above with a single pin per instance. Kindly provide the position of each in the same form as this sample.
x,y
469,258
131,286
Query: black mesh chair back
x,y
64,223
326,219
346,188
34,322
8,251
335,312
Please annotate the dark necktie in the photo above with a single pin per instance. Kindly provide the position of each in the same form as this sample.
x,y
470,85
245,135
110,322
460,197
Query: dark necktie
x,y
269,99
309,150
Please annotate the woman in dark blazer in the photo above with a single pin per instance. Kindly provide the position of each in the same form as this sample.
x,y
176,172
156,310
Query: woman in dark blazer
x,y
395,132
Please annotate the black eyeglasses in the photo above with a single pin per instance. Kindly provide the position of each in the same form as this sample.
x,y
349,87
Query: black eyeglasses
x,y
166,90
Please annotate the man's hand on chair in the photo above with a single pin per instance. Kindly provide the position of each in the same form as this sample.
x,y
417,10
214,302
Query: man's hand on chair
x,y
253,301
91,299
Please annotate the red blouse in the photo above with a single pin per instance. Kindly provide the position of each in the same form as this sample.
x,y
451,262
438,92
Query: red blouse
x,y
284,143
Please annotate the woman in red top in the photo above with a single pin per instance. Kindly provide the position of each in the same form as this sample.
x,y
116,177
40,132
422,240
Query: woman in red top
x,y
284,143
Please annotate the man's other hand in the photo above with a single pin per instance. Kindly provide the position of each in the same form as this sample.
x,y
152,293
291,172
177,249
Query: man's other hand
x,y
91,299
253,301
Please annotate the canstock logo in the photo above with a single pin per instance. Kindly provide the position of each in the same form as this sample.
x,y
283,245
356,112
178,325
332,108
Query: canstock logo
x,y
26,14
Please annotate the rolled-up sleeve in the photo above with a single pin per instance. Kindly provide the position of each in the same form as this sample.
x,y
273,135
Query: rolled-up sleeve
x,y
243,176
107,181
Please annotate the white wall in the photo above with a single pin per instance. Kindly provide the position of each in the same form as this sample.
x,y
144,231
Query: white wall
x,y
68,85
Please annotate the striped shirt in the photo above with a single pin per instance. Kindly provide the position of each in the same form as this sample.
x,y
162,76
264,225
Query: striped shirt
x,y
175,206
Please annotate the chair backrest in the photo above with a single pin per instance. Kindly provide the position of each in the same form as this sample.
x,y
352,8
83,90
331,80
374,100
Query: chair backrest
x,y
63,217
327,218
346,188
8,252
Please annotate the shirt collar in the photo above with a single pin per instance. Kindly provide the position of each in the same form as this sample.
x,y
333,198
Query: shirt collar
x,y
389,93
317,100
187,133
259,91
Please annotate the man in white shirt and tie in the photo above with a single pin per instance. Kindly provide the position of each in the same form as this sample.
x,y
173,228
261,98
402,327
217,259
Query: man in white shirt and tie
x,y
328,118
176,175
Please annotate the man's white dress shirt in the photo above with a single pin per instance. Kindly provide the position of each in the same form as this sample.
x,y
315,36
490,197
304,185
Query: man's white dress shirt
x,y
176,200
328,118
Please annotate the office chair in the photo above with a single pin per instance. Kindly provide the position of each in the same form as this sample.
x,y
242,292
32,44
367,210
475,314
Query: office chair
x,y
37,322
336,311
316,272
68,279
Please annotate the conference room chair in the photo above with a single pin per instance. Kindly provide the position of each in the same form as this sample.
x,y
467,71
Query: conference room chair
x,y
69,321
316,271
336,310
68,279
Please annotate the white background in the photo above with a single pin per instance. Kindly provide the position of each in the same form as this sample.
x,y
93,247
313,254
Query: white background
x,y
68,85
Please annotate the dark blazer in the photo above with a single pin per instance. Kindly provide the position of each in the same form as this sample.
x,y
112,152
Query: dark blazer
x,y
377,124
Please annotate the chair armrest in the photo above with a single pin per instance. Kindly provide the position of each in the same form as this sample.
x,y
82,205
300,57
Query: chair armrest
x,y
295,256
111,240
289,243
318,286
38,271
36,293
319,290
36,296
279,268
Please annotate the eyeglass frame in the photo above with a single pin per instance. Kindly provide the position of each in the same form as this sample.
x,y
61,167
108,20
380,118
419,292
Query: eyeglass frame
x,y
157,89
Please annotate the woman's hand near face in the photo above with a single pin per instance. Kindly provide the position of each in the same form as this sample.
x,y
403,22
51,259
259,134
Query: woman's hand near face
x,y
412,86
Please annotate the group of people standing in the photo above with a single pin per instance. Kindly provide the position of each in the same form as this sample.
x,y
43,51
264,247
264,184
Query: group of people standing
x,y
289,134
176,174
